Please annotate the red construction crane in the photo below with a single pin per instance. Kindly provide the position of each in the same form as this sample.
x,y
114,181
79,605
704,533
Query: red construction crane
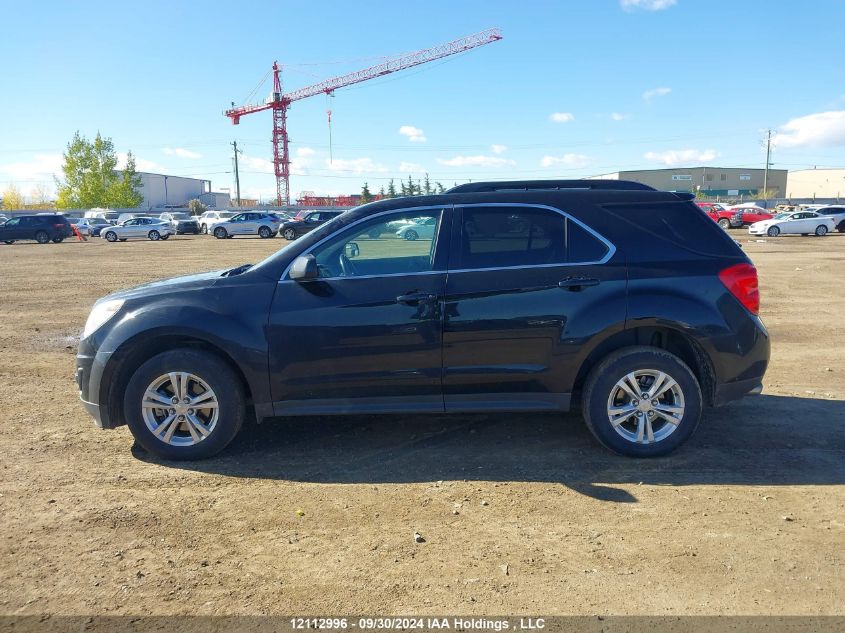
x,y
279,102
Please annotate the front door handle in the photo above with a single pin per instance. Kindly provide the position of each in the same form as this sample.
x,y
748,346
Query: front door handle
x,y
575,284
413,298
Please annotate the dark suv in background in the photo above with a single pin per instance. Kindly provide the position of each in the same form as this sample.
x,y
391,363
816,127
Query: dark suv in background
x,y
305,223
627,302
43,228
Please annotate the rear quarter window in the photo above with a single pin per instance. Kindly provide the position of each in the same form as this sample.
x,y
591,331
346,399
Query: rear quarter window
x,y
682,224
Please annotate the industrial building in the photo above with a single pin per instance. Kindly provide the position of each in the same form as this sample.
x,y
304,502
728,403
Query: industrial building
x,y
816,183
160,191
709,181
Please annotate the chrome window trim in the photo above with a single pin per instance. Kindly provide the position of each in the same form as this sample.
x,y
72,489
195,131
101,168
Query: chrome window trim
x,y
611,248
439,207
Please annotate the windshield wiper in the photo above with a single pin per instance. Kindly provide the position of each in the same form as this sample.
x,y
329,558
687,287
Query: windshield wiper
x,y
237,270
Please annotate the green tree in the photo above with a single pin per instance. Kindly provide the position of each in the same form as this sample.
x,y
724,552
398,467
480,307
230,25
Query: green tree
x,y
403,189
366,195
426,187
196,207
440,187
91,178
391,189
381,192
412,188
12,198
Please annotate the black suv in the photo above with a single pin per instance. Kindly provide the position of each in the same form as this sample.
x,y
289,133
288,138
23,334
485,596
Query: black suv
x,y
520,296
43,228
305,223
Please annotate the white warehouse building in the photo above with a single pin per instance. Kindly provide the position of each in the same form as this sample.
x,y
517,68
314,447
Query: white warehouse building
x,y
161,190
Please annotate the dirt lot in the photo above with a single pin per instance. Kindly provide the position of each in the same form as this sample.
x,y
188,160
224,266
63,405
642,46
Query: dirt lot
x,y
521,514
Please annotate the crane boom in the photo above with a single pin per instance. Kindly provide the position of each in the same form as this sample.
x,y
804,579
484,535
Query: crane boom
x,y
279,102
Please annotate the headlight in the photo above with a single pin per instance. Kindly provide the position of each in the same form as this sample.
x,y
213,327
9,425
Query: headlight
x,y
100,314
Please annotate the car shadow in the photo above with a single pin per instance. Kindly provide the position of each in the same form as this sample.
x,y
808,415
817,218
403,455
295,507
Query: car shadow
x,y
764,440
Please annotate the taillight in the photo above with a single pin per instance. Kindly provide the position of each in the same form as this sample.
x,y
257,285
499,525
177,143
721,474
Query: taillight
x,y
741,280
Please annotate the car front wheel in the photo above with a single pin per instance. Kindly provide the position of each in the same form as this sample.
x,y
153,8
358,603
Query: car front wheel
x,y
220,233
642,402
773,231
411,235
289,234
184,404
725,223
111,236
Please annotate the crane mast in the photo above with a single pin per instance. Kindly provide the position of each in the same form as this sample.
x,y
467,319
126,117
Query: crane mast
x,y
279,102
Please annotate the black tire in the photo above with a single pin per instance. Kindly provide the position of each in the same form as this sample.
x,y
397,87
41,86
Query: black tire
x,y
42,237
411,235
374,234
9,241
264,232
289,234
841,227
110,236
601,386
204,229
213,371
725,223
166,236
773,231
123,239
220,233
821,230
154,236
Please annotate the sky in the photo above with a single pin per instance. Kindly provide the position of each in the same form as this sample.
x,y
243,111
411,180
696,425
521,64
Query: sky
x,y
575,88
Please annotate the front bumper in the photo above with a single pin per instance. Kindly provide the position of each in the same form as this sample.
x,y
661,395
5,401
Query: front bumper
x,y
90,366
735,390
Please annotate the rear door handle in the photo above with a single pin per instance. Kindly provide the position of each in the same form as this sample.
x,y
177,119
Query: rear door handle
x,y
576,283
413,298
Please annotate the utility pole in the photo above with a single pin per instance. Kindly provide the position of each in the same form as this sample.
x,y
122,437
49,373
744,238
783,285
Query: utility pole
x,y
237,175
768,160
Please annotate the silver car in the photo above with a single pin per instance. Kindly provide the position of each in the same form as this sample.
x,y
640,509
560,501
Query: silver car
x,y
139,228
248,223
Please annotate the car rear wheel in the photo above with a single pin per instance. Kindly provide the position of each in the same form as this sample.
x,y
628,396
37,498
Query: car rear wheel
x,y
42,238
725,223
220,233
184,404
773,231
642,402
166,236
111,236
821,230
204,229
264,232
289,234
411,235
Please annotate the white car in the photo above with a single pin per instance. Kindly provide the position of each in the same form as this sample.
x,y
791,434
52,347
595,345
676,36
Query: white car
x,y
208,219
422,227
249,223
835,213
796,222
147,228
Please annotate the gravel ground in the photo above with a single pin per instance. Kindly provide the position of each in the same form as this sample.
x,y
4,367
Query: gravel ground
x,y
521,514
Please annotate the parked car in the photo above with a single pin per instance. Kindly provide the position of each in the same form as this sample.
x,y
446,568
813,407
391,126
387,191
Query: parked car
x,y
183,223
746,216
250,223
142,227
81,225
419,228
622,299
43,228
208,219
96,225
835,213
720,214
797,222
305,222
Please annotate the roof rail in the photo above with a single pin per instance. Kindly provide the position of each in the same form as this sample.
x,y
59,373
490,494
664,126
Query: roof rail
x,y
545,185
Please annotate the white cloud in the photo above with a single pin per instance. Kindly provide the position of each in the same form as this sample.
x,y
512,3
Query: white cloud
x,y
364,165
646,5
301,160
257,164
561,117
41,167
181,152
498,149
618,116
823,129
304,152
675,157
414,134
570,160
475,161
141,164
411,168
648,95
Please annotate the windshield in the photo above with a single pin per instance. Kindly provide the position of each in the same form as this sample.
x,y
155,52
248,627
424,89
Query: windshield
x,y
180,216
782,216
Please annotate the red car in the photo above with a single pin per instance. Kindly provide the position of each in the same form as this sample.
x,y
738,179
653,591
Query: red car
x,y
746,216
720,213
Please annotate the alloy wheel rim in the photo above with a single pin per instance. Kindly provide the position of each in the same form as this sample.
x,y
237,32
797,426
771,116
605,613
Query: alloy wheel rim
x,y
180,409
645,406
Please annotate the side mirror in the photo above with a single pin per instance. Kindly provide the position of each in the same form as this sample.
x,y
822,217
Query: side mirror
x,y
351,250
304,268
